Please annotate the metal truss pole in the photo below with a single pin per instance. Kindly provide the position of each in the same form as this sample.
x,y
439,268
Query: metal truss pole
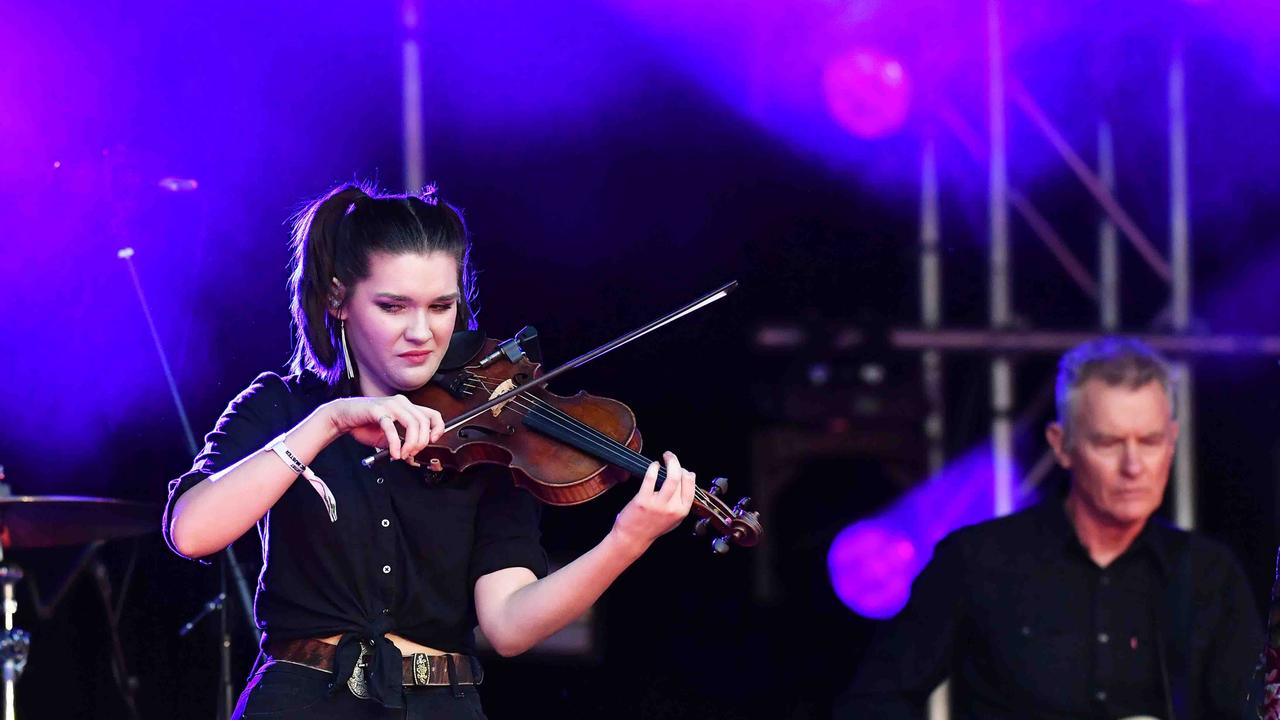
x,y
1050,341
1108,249
1184,480
411,98
931,307
931,318
1000,282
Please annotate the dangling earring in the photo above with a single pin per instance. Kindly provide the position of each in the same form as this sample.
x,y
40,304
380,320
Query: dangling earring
x,y
346,356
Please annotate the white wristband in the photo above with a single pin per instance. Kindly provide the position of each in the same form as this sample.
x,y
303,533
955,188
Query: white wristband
x,y
283,452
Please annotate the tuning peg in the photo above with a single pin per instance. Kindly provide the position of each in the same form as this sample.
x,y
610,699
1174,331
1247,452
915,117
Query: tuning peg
x,y
700,527
720,545
742,505
718,486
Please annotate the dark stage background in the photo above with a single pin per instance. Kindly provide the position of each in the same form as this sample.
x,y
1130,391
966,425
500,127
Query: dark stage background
x,y
606,181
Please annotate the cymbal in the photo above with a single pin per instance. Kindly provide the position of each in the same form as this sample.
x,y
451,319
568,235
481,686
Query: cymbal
x,y
37,521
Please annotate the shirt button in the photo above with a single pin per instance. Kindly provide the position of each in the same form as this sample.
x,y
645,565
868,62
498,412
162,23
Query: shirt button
x,y
386,569
386,522
1104,638
1105,580
1101,695
1026,631
386,611
379,481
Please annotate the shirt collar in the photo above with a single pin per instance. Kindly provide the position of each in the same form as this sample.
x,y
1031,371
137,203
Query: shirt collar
x,y
1059,534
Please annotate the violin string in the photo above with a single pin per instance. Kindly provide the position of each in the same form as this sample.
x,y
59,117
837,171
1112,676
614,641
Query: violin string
x,y
592,436
571,422
607,446
612,450
586,432
615,451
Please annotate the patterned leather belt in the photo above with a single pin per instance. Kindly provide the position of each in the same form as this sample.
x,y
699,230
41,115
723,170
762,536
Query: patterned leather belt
x,y
418,669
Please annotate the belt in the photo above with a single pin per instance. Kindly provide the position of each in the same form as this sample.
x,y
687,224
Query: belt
x,y
418,669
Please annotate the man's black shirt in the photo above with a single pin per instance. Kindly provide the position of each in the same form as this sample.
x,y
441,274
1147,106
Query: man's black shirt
x,y
1028,626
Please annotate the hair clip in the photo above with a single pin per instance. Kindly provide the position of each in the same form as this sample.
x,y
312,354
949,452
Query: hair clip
x,y
428,194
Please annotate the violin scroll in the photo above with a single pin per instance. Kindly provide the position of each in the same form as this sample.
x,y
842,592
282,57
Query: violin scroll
x,y
734,525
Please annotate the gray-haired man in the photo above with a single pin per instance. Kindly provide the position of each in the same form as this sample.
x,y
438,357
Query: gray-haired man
x,y
1083,606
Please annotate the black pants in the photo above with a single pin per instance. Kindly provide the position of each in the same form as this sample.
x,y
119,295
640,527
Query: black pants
x,y
283,691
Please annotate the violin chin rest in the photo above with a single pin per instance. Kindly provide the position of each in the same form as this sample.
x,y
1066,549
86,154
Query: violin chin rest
x,y
464,346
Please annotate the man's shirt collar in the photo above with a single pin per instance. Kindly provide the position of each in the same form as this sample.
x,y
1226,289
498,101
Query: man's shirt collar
x,y
1060,535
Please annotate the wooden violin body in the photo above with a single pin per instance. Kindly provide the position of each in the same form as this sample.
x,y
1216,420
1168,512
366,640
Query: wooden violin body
x,y
565,475
565,450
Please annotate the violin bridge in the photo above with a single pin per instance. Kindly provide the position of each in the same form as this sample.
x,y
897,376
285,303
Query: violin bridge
x,y
505,387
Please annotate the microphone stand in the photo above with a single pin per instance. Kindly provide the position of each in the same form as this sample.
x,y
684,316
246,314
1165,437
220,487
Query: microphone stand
x,y
228,557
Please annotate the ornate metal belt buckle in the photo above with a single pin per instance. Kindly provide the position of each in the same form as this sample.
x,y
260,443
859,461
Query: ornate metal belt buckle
x,y
358,683
421,669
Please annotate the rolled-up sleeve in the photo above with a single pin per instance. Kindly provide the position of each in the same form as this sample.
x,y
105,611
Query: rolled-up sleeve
x,y
250,420
507,530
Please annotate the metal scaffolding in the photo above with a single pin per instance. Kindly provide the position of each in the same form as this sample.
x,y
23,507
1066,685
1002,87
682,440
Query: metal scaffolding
x,y
1000,340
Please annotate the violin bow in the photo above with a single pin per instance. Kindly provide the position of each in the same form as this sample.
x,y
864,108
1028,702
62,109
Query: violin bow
x,y
583,359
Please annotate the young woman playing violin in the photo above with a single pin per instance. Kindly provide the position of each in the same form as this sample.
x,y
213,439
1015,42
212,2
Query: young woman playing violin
x,y
375,577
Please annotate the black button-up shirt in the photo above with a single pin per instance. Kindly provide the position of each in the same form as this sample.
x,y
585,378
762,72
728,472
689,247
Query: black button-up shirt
x,y
404,553
1028,626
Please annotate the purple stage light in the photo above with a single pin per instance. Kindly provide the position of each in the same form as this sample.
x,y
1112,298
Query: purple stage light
x,y
1083,62
410,14
178,184
871,565
867,93
872,562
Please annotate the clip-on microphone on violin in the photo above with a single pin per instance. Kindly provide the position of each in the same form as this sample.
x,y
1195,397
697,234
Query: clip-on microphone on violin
x,y
524,343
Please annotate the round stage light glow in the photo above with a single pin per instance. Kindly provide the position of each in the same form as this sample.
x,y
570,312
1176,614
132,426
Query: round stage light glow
x,y
867,93
871,566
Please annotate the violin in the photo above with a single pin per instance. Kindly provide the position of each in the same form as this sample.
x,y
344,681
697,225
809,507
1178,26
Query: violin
x,y
563,450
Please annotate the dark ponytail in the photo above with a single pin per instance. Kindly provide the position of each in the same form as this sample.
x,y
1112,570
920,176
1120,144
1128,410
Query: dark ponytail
x,y
333,237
